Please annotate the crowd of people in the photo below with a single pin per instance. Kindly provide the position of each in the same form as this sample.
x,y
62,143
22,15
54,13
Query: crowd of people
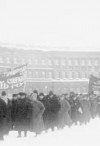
x,y
39,112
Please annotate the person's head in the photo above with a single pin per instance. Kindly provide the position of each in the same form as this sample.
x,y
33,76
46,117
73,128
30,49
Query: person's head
x,y
23,95
66,96
3,93
19,95
51,94
34,95
14,96
62,97
41,95
4,96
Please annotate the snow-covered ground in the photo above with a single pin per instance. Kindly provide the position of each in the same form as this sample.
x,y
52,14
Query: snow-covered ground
x,y
85,135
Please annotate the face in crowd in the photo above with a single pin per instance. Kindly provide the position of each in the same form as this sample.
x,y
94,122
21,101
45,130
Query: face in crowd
x,y
34,96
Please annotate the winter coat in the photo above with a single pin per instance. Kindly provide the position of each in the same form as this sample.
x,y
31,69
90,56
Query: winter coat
x,y
23,114
63,116
37,124
3,117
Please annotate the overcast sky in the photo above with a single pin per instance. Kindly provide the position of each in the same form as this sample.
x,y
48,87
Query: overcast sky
x,y
70,23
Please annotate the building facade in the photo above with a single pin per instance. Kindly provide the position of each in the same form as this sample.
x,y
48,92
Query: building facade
x,y
59,71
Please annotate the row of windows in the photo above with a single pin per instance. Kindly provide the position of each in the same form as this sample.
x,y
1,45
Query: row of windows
x,y
57,90
56,62
64,75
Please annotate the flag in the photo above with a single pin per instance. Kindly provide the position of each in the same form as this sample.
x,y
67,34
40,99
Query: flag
x,y
94,85
13,78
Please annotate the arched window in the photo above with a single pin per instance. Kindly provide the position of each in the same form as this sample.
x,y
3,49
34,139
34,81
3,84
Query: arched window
x,y
15,61
76,62
57,75
83,75
50,75
43,62
89,62
83,62
76,75
49,62
63,62
29,74
70,75
30,61
8,60
43,74
56,62
63,75
1,59
23,61
69,62
36,62
36,75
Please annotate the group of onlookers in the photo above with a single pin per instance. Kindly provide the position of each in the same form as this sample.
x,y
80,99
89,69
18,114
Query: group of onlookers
x,y
39,112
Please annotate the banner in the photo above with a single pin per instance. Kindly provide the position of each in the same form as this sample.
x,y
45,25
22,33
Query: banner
x,y
94,85
13,78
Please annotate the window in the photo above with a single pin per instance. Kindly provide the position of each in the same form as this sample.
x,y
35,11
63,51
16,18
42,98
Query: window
x,y
76,75
8,60
43,62
36,62
96,62
30,61
56,62
15,61
49,62
57,74
63,75
29,74
89,62
76,62
36,74
50,75
83,62
43,74
23,61
69,62
83,74
63,62
70,75
1,60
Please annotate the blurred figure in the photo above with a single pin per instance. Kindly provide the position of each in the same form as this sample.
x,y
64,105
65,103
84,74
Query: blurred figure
x,y
23,114
63,116
3,115
13,109
38,109
53,109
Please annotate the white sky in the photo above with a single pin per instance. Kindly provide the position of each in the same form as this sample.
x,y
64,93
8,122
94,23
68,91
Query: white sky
x,y
70,23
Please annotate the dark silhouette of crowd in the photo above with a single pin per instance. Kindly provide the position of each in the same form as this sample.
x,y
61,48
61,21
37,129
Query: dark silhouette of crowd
x,y
39,112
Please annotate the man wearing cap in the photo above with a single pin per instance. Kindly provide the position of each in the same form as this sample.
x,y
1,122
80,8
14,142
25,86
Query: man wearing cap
x,y
38,108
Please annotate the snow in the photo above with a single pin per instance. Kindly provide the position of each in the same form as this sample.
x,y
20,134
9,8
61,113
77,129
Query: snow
x,y
84,135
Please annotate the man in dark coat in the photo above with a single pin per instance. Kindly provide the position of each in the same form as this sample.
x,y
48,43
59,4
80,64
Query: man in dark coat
x,y
23,114
38,109
3,115
54,107
75,110
63,115
13,110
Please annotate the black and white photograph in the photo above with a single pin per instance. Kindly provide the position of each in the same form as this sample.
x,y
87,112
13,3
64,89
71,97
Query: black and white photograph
x,y
49,72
